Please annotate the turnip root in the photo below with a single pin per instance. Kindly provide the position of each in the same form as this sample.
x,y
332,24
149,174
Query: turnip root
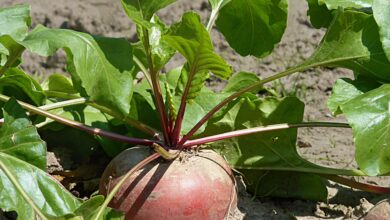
x,y
199,186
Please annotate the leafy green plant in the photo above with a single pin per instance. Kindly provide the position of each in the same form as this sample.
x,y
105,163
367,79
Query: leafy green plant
x,y
175,115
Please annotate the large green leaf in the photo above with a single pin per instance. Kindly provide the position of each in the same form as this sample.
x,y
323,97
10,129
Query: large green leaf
x,y
141,11
101,67
369,116
192,40
14,24
320,11
334,4
23,182
19,138
16,79
352,41
381,10
267,152
253,27
346,89
320,15
15,21
216,6
249,151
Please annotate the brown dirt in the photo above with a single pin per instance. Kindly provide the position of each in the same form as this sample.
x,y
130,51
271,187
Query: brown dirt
x,y
329,147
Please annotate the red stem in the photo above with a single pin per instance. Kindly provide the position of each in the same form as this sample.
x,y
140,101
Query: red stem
x,y
182,108
234,96
80,126
248,131
156,88
362,186
160,108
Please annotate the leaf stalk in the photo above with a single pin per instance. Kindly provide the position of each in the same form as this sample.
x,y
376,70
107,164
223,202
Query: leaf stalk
x,y
236,95
80,126
134,123
156,87
249,131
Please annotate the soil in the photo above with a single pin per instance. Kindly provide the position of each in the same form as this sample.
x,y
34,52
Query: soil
x,y
328,147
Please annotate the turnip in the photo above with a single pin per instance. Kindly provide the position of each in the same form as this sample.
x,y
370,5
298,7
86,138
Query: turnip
x,y
200,185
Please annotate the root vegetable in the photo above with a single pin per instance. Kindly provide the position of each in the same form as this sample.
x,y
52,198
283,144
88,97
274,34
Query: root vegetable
x,y
200,186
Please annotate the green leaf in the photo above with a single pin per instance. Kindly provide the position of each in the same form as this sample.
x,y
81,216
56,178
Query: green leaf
x,y
142,110
16,79
198,108
22,158
253,27
60,83
334,4
101,67
352,41
197,83
272,151
141,11
320,15
381,9
161,52
369,116
251,150
82,143
15,21
170,105
218,4
287,185
346,89
14,24
19,138
241,80
10,52
88,209
192,40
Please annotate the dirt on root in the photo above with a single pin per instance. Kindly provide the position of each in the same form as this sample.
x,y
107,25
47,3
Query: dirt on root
x,y
328,147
